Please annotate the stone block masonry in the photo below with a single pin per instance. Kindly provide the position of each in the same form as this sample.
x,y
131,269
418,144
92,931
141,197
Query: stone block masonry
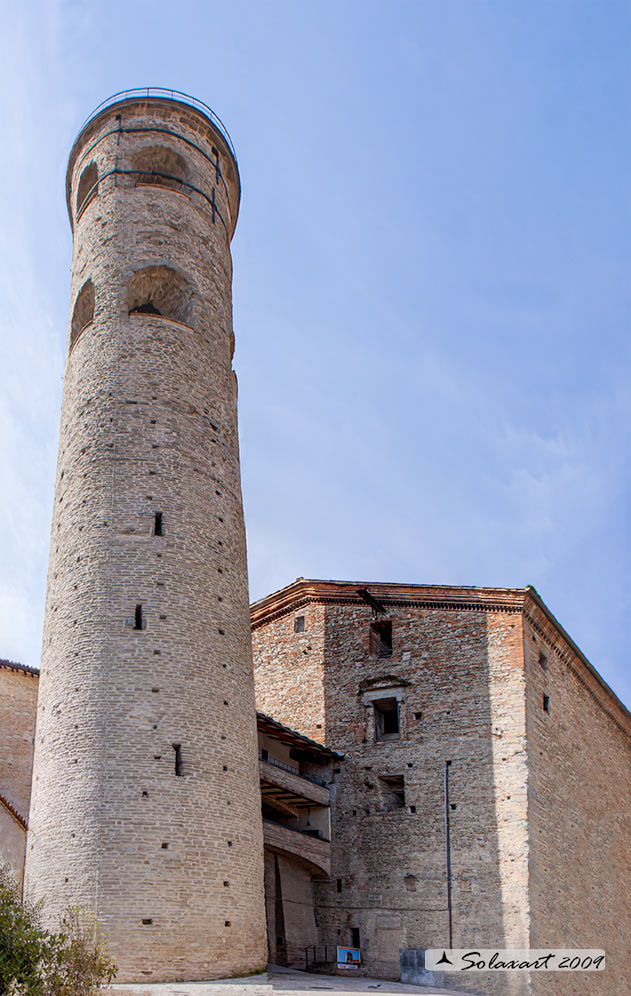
x,y
146,805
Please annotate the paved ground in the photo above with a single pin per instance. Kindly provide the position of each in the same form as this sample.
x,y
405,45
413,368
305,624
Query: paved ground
x,y
280,981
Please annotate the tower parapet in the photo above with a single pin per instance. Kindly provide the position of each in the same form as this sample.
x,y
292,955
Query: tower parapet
x,y
145,805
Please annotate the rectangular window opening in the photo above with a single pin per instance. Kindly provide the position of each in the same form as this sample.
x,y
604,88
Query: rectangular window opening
x,y
339,885
139,622
543,661
546,703
355,937
392,793
299,624
157,524
179,768
381,638
386,719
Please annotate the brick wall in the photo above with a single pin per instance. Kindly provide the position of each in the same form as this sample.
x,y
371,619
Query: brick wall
x,y
580,812
18,707
459,678
289,670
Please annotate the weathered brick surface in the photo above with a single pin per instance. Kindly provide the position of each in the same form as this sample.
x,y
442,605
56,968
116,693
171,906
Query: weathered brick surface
x,y
579,808
18,704
289,669
149,423
466,695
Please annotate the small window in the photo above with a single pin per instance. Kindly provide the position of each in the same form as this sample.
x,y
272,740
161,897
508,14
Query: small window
x,y
264,754
139,622
157,524
392,793
543,661
299,624
386,719
339,885
381,638
546,703
355,937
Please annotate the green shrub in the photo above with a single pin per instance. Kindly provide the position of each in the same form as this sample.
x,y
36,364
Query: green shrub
x,y
38,962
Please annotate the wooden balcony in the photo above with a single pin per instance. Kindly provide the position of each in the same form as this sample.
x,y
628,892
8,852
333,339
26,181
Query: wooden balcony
x,y
288,791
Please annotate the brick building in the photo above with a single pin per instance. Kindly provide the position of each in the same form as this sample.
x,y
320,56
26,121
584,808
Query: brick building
x,y
412,682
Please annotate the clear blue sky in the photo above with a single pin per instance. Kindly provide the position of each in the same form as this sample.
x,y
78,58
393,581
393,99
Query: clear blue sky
x,y
431,286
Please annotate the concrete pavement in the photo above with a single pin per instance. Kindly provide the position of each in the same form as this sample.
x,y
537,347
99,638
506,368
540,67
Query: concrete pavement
x,y
284,982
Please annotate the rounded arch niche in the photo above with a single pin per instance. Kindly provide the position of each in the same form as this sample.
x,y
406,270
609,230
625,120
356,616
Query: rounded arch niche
x,y
158,166
87,188
83,311
161,290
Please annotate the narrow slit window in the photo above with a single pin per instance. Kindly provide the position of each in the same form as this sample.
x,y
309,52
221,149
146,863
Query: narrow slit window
x,y
546,703
179,768
355,938
157,524
139,622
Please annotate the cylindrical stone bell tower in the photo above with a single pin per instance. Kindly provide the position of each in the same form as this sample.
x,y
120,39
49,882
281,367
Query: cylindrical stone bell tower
x,y
145,805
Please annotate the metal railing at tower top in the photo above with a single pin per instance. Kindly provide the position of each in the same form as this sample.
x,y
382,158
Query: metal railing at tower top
x,y
160,91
